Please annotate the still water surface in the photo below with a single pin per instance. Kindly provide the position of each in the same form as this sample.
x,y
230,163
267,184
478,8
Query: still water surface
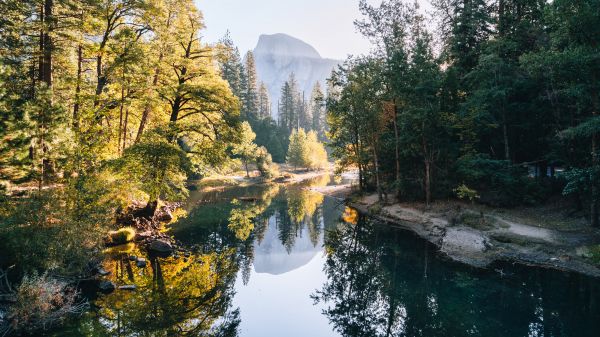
x,y
290,262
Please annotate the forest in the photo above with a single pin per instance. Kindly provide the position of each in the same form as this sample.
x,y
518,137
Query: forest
x,y
112,108
498,103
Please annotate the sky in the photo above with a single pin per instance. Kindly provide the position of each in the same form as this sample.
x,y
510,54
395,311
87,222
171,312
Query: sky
x,y
327,25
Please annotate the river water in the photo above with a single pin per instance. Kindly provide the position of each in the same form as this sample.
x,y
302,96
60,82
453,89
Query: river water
x,y
287,261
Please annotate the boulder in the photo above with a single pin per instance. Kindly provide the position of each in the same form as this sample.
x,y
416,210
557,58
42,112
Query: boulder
x,y
164,215
161,246
143,236
133,258
103,272
141,262
106,286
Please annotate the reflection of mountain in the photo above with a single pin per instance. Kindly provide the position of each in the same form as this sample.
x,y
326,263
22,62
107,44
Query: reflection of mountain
x,y
278,55
272,256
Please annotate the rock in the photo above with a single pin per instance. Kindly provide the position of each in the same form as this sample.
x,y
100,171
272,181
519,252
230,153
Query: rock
x,y
187,254
128,287
141,262
106,286
103,272
164,215
161,246
143,236
132,258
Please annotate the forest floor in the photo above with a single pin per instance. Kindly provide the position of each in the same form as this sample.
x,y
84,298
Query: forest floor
x,y
547,235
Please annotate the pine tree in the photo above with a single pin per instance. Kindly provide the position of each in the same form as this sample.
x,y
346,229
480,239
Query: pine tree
x,y
250,95
231,65
317,107
290,104
264,102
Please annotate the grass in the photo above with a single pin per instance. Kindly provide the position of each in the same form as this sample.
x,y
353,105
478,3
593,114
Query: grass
x,y
594,254
122,236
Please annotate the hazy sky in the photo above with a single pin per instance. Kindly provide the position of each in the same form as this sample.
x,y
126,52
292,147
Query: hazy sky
x,y
327,25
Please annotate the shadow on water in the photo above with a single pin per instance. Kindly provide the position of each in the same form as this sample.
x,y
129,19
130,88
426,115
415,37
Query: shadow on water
x,y
387,282
378,281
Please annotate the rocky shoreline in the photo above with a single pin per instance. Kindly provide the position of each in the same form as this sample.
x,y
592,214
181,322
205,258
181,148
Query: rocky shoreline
x,y
513,243
486,239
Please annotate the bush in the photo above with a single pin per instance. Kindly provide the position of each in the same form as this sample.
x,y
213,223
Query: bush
x,y
265,165
499,183
41,303
122,236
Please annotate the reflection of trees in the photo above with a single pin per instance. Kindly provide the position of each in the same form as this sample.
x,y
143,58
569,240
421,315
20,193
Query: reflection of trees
x,y
243,214
183,297
383,282
303,208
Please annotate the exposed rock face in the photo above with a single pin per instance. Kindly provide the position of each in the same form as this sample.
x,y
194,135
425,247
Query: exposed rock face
x,y
278,55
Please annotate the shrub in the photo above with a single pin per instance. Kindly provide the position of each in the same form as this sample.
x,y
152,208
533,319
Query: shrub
x,y
464,192
265,165
122,236
41,303
499,183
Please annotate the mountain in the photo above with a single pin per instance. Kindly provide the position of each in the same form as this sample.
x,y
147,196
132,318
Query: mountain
x,y
278,55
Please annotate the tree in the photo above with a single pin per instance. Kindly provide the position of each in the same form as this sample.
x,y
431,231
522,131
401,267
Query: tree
x,y
297,154
317,108
250,97
231,65
264,102
246,148
306,151
289,105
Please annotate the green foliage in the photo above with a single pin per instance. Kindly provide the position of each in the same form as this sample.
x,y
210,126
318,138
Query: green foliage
x,y
157,167
122,236
306,151
464,192
245,148
499,182
265,165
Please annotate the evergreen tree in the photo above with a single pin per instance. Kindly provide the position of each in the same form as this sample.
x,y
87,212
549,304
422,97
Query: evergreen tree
x,y
250,108
317,107
290,104
231,65
264,102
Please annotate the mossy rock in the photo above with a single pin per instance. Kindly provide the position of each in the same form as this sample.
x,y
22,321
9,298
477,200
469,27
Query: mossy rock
x,y
120,249
122,236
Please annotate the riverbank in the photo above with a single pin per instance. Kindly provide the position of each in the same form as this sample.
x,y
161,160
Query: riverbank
x,y
479,236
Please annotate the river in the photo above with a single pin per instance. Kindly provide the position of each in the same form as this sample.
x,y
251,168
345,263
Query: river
x,y
291,262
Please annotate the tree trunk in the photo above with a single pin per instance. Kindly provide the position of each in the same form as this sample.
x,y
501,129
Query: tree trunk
x,y
397,141
46,74
246,166
125,130
427,182
120,133
505,137
595,162
100,81
377,181
77,88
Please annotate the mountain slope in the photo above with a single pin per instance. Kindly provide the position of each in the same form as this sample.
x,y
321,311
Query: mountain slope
x,y
278,55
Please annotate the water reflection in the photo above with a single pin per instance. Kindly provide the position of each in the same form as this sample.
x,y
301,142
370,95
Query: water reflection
x,y
258,253
384,282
